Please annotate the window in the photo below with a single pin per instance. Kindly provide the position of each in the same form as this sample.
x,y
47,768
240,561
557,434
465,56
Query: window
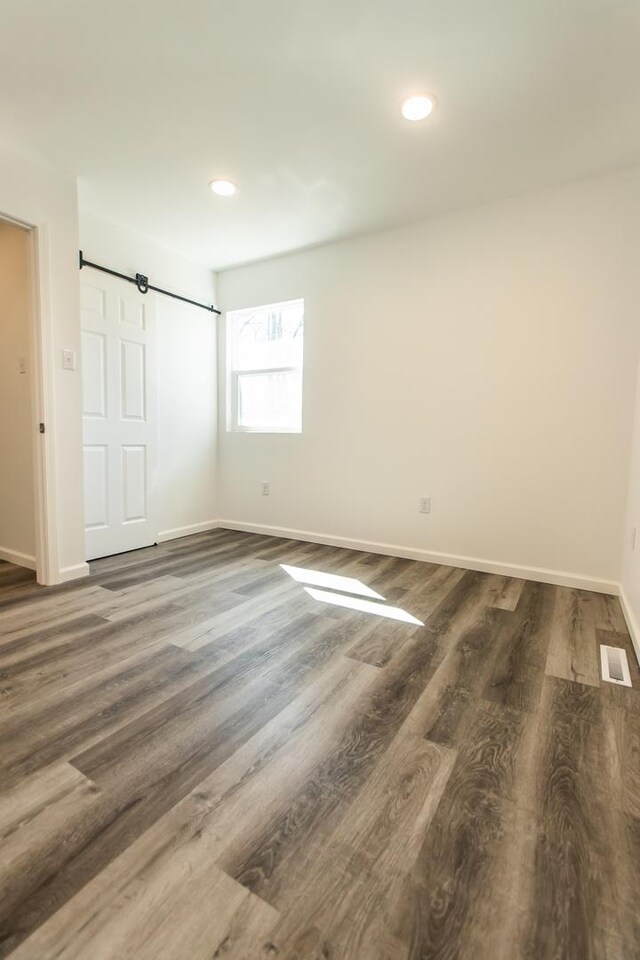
x,y
264,368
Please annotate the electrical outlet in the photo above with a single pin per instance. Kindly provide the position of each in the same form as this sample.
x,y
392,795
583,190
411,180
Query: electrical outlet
x,y
22,364
265,488
425,504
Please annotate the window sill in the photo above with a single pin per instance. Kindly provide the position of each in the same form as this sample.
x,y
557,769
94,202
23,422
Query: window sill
x,y
264,430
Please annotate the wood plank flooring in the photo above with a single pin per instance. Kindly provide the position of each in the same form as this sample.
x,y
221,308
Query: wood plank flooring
x,y
200,761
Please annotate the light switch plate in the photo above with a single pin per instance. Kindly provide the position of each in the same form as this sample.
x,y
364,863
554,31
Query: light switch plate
x,y
68,359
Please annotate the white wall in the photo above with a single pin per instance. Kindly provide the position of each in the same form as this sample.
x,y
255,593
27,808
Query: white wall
x,y
129,252
36,193
17,507
186,376
631,543
486,359
187,418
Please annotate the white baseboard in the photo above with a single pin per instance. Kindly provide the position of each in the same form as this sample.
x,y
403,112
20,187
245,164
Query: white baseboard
x,y
20,559
75,572
557,577
187,531
26,560
632,623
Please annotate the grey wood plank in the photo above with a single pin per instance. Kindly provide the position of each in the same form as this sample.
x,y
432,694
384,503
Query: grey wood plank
x,y
265,866
523,640
253,780
332,785
339,903
383,640
573,653
506,592
574,890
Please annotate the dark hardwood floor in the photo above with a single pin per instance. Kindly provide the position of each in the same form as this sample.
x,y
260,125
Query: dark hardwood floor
x,y
202,761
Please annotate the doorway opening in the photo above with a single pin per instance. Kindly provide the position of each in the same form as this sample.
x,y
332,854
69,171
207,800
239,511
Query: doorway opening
x,y
23,491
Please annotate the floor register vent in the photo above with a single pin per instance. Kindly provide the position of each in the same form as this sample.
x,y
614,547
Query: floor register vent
x,y
615,666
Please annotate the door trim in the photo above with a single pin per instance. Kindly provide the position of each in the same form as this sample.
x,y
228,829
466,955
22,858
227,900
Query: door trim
x,y
47,552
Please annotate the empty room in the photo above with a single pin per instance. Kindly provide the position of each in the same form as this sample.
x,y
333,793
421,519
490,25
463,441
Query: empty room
x,y
320,480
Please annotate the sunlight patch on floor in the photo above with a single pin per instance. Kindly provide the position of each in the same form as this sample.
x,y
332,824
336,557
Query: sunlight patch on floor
x,y
364,606
316,578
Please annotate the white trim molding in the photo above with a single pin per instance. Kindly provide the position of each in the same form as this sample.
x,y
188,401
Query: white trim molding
x,y
20,559
42,337
632,623
177,532
558,577
75,572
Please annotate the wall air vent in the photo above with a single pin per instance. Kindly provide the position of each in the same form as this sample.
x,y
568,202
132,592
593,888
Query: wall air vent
x,y
615,666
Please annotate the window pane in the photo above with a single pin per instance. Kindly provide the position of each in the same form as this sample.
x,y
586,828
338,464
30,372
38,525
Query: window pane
x,y
269,337
265,367
270,401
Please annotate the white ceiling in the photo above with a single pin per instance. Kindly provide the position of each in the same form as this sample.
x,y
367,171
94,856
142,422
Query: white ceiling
x,y
297,101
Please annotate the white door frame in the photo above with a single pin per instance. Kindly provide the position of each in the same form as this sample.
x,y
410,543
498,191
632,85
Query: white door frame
x,y
41,351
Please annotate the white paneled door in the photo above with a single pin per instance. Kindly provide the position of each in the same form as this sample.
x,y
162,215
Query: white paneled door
x,y
119,415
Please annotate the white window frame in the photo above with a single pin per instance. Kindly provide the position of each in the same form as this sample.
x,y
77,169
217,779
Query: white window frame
x,y
233,373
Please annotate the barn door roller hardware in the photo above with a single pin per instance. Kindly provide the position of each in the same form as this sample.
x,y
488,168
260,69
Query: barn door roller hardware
x,y
143,285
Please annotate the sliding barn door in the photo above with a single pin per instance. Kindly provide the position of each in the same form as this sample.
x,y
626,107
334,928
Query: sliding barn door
x,y
119,415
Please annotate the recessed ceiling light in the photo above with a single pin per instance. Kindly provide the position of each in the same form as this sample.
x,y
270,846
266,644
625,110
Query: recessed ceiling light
x,y
418,107
223,188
